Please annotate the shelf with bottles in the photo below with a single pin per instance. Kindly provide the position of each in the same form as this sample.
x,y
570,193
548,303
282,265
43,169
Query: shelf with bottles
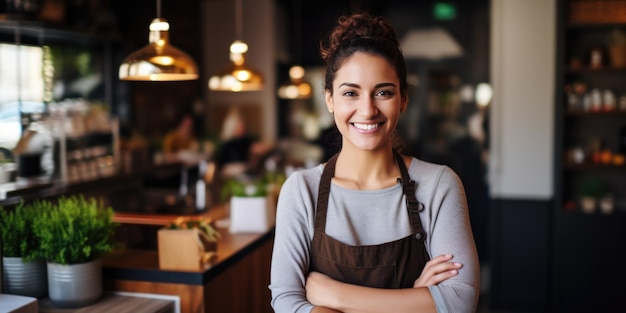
x,y
595,144
605,205
577,158
87,140
592,192
585,99
595,49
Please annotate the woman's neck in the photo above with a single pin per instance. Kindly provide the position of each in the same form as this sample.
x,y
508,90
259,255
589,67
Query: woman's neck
x,y
366,170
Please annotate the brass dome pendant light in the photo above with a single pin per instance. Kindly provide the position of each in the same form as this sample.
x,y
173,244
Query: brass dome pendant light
x,y
237,76
296,88
159,60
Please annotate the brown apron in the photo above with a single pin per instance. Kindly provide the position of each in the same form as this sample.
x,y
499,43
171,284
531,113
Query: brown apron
x,y
395,264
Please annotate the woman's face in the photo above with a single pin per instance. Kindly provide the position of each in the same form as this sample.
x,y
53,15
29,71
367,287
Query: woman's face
x,y
366,102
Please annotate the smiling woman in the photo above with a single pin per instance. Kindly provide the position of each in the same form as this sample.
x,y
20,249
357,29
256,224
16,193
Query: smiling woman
x,y
358,226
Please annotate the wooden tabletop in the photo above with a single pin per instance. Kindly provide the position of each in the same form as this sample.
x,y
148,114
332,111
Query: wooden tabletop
x,y
157,219
114,303
135,264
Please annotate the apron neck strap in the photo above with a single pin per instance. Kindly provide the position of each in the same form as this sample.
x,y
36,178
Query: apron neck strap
x,y
323,194
408,188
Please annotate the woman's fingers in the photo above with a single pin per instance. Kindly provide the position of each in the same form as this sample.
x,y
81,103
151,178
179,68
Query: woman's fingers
x,y
437,270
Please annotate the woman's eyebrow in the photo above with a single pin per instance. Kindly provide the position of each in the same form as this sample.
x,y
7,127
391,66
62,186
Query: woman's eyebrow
x,y
349,85
377,85
385,85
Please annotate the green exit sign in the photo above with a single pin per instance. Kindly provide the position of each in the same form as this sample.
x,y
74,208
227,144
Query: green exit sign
x,y
444,11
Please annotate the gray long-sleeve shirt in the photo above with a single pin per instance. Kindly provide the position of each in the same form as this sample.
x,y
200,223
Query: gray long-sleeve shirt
x,y
369,217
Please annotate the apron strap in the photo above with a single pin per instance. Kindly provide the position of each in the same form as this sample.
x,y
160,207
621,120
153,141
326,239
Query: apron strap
x,y
323,193
413,206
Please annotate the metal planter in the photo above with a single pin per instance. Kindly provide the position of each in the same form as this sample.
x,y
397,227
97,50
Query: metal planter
x,y
75,285
24,279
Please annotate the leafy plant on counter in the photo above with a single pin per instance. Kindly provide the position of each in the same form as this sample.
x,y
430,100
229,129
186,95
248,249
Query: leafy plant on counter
x,y
16,230
202,224
252,188
76,230
238,188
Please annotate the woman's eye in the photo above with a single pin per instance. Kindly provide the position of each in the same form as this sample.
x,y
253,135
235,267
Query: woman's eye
x,y
384,93
349,93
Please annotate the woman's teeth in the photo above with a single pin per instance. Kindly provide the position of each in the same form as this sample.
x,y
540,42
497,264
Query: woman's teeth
x,y
365,126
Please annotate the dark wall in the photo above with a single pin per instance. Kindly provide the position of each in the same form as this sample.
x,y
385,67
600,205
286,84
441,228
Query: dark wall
x,y
521,266
311,22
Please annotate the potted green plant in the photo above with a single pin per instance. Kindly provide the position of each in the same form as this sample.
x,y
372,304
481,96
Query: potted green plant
x,y
187,243
252,203
23,269
590,190
204,225
73,237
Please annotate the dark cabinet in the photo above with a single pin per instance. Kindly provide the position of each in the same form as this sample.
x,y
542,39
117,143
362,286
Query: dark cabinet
x,y
590,167
591,108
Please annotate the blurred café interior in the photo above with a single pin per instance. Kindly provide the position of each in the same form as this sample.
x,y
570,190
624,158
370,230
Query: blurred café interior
x,y
525,100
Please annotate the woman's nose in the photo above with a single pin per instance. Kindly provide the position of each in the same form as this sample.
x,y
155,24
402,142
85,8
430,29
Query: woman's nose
x,y
367,107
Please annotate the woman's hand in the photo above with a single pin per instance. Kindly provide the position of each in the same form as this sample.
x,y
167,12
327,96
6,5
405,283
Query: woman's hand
x,y
437,270
319,290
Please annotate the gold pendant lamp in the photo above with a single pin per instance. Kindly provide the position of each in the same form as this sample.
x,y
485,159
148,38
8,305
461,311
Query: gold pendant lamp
x,y
296,88
237,76
159,60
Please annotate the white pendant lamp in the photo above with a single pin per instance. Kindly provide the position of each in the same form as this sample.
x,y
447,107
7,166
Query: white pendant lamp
x,y
237,76
159,60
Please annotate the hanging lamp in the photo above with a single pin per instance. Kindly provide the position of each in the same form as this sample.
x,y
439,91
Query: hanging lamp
x,y
296,88
237,76
159,60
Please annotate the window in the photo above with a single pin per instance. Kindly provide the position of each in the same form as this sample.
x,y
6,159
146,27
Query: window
x,y
21,88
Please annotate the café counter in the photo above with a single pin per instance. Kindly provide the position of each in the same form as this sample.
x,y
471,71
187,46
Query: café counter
x,y
236,280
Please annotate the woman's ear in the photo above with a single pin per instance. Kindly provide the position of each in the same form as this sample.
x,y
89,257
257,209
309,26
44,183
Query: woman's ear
x,y
404,102
329,102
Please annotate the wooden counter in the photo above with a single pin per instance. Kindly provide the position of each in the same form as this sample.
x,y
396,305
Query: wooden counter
x,y
236,280
114,303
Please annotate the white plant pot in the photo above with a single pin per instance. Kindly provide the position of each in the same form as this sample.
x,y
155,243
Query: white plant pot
x,y
251,214
588,204
607,205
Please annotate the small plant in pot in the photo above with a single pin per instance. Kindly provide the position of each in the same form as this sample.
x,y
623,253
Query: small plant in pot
x,y
187,243
590,190
23,268
252,205
74,236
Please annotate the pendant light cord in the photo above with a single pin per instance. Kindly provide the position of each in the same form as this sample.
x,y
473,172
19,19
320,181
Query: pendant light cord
x,y
158,12
238,20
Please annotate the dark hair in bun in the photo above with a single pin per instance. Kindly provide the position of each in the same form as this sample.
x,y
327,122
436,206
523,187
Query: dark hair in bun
x,y
361,32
